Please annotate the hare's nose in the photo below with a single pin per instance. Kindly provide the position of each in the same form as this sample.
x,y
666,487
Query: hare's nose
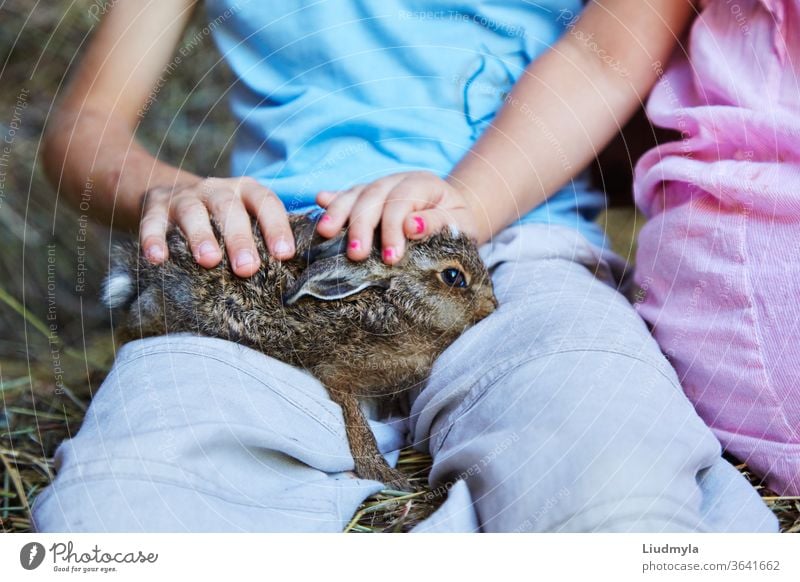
x,y
486,306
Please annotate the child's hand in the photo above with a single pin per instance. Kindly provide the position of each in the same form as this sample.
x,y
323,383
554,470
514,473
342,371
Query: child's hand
x,y
231,201
410,205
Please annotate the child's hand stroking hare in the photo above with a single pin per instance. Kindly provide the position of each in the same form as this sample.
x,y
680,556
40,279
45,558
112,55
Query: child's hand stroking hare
x,y
367,330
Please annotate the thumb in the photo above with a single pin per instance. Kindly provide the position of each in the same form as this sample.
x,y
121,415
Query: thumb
x,y
423,223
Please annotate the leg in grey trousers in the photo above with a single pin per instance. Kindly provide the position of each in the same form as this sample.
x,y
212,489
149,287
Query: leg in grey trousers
x,y
557,413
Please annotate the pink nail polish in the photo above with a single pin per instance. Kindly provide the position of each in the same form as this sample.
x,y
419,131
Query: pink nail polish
x,y
355,244
325,218
388,253
420,222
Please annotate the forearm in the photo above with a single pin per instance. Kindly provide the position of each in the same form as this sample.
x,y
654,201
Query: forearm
x,y
566,107
89,151
91,155
94,160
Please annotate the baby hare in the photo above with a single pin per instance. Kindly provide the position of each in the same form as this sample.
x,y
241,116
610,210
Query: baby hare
x,y
366,330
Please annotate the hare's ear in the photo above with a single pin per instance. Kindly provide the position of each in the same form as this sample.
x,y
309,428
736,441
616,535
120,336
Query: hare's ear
x,y
334,278
329,248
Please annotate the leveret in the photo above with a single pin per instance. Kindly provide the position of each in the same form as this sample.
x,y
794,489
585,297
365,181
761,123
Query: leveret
x,y
368,331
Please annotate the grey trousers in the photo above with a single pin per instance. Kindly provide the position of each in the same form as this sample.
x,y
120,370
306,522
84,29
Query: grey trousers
x,y
556,413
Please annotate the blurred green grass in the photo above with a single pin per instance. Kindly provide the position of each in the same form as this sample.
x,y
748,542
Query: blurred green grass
x,y
188,124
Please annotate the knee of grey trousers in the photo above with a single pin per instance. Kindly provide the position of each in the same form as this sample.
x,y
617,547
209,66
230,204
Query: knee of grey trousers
x,y
560,413
556,413
200,434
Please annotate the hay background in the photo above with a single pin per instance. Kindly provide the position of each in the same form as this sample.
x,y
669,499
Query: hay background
x,y
188,125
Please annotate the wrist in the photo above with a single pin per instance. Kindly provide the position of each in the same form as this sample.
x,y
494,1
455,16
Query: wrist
x,y
482,230
163,177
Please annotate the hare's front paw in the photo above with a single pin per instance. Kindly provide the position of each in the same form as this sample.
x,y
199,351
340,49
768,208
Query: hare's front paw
x,y
378,470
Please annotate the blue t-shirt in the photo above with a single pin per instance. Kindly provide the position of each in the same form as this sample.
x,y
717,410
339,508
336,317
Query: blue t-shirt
x,y
332,93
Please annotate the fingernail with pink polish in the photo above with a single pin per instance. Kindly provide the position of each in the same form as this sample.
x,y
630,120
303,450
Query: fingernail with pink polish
x,y
389,253
354,245
325,218
420,222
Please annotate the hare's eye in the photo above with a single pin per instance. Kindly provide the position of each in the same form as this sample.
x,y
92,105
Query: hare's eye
x,y
453,278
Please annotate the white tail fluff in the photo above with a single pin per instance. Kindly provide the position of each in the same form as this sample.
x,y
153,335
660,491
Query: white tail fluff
x,y
117,289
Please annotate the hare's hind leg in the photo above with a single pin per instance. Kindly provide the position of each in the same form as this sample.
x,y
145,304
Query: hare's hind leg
x,y
369,462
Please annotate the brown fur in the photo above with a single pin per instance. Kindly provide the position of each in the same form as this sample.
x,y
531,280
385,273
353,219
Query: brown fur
x,y
375,343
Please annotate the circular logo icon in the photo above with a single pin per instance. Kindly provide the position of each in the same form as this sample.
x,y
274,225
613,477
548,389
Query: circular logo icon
x,y
31,555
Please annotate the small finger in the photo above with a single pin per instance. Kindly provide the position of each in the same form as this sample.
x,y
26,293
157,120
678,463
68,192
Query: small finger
x,y
273,222
236,227
325,197
192,217
337,210
364,218
153,228
393,238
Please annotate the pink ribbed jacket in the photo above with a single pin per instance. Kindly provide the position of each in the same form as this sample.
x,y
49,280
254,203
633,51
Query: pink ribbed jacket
x,y
719,259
